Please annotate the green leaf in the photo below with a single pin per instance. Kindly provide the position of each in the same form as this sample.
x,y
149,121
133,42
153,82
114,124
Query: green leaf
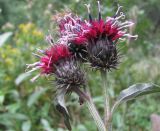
x,y
26,126
17,116
81,127
4,37
35,96
14,93
2,96
21,78
12,108
61,107
46,125
134,91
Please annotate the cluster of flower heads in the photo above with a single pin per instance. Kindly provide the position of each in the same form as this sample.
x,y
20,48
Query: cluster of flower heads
x,y
93,41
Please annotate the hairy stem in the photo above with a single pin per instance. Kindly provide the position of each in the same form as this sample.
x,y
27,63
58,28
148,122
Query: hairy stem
x,y
107,113
95,114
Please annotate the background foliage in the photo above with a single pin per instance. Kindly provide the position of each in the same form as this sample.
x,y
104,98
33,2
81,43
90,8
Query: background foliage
x,y
29,106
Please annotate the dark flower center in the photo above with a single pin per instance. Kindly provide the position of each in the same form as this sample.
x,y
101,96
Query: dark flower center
x,y
79,51
68,75
103,54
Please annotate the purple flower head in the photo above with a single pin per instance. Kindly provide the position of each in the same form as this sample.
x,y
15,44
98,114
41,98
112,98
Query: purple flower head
x,y
98,37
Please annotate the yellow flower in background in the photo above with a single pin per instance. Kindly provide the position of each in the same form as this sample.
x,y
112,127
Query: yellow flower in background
x,y
16,51
25,28
3,56
37,33
9,61
28,33
7,78
30,28
13,52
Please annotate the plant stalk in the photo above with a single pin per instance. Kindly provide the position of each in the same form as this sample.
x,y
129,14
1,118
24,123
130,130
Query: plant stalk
x,y
107,113
93,111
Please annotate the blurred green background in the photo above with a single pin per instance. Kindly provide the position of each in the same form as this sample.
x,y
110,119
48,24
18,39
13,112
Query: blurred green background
x,y
26,106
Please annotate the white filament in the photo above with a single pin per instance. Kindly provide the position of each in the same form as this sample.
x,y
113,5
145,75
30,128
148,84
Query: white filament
x,y
122,16
115,23
130,24
122,39
32,65
49,39
49,61
122,32
88,8
119,7
34,78
99,6
33,69
36,55
40,51
131,36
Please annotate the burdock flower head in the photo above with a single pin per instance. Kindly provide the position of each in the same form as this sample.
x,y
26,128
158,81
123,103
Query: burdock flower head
x,y
58,61
48,59
100,36
71,33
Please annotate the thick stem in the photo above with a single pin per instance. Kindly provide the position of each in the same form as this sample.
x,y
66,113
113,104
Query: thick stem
x,y
95,114
107,113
